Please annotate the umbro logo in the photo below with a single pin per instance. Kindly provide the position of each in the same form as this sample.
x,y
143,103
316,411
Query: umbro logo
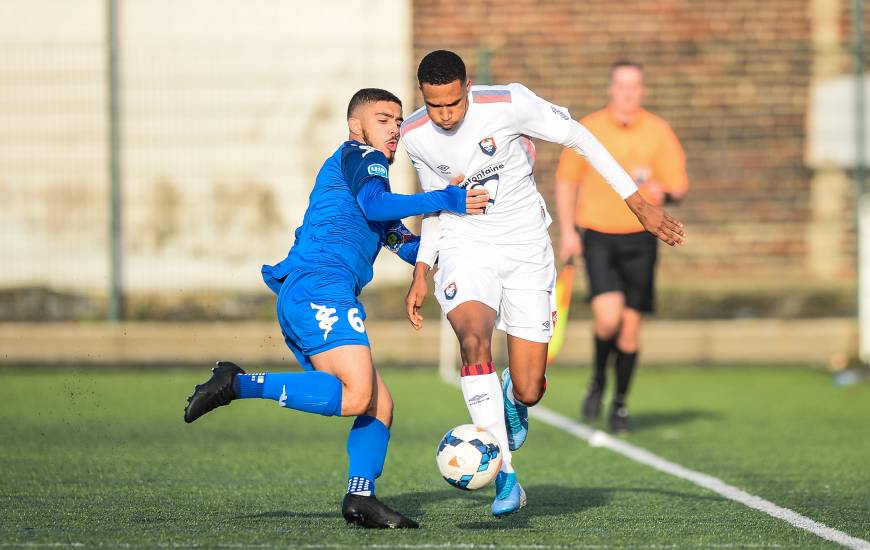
x,y
443,168
479,398
559,113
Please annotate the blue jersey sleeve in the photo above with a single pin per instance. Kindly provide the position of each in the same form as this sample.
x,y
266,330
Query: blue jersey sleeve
x,y
401,241
365,170
379,204
360,163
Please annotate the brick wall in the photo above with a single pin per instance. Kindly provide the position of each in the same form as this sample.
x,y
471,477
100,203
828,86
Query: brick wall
x,y
732,77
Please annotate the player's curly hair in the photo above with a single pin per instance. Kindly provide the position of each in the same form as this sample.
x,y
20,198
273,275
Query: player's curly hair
x,y
441,67
370,95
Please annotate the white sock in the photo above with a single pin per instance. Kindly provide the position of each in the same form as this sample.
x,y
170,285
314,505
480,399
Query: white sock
x,y
483,395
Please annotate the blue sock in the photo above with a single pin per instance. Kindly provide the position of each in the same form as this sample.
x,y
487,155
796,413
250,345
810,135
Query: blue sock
x,y
367,451
310,391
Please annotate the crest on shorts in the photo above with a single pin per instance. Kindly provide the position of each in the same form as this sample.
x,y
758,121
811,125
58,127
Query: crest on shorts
x,y
450,291
487,145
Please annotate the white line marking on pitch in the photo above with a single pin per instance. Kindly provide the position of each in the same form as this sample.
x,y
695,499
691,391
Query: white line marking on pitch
x,y
600,439
375,546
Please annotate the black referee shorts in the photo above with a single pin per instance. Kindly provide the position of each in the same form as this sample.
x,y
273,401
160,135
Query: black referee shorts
x,y
622,263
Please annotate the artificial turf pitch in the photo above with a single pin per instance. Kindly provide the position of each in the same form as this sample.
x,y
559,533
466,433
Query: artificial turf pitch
x,y
103,458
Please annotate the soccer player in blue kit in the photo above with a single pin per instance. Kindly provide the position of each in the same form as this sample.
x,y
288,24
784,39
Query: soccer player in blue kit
x,y
351,214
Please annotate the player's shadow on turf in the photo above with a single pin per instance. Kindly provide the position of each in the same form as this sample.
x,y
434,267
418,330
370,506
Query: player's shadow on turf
x,y
654,419
285,514
546,501
549,500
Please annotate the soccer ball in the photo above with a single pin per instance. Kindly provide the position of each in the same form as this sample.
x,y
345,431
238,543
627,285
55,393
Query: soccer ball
x,y
468,457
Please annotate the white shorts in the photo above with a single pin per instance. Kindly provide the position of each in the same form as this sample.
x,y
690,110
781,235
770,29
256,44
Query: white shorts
x,y
517,281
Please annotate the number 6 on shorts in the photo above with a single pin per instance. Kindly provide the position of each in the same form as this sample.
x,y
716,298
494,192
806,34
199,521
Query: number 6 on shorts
x,y
354,320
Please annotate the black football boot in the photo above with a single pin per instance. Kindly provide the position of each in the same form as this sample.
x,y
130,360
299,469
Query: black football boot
x,y
591,409
215,392
368,511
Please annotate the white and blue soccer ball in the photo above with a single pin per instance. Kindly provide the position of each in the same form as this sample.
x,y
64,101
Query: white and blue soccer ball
x,y
468,457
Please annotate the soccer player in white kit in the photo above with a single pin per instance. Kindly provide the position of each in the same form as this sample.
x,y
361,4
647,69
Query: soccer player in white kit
x,y
496,270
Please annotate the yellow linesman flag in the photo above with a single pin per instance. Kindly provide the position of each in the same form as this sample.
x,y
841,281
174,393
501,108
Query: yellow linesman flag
x,y
564,287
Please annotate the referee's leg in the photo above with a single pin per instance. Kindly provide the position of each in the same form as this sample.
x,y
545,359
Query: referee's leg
x,y
607,301
637,260
627,345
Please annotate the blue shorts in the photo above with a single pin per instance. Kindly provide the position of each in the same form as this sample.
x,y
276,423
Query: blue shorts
x,y
318,312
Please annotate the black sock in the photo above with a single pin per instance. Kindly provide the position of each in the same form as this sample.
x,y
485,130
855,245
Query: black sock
x,y
625,363
603,348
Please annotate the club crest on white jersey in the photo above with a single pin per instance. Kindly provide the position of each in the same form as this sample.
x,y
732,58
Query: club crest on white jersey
x,y
450,291
487,145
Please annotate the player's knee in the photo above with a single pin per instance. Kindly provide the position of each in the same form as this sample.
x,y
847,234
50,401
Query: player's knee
x,y
385,413
382,409
355,402
475,349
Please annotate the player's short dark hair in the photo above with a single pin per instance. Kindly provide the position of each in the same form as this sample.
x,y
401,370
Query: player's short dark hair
x,y
619,64
370,95
441,67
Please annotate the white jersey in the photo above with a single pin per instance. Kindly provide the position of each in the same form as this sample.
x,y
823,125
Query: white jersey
x,y
491,147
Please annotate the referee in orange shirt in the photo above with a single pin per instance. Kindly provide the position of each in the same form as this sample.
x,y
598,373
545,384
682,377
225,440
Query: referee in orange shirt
x,y
620,256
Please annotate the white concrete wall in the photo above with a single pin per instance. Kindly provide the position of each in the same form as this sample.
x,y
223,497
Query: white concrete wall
x,y
52,144
229,109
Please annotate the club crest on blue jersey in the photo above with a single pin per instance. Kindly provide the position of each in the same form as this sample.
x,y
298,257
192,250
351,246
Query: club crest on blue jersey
x,y
487,145
450,291
396,237
377,170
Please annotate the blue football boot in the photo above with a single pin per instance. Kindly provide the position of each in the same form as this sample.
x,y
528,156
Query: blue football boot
x,y
516,415
509,495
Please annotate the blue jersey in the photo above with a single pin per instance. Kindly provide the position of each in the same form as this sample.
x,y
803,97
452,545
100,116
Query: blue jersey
x,y
351,214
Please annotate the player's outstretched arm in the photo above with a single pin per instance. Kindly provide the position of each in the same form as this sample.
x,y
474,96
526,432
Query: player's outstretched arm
x,y
539,118
378,203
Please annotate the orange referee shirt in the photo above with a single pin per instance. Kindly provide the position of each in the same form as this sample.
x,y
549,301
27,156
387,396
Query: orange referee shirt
x,y
647,149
